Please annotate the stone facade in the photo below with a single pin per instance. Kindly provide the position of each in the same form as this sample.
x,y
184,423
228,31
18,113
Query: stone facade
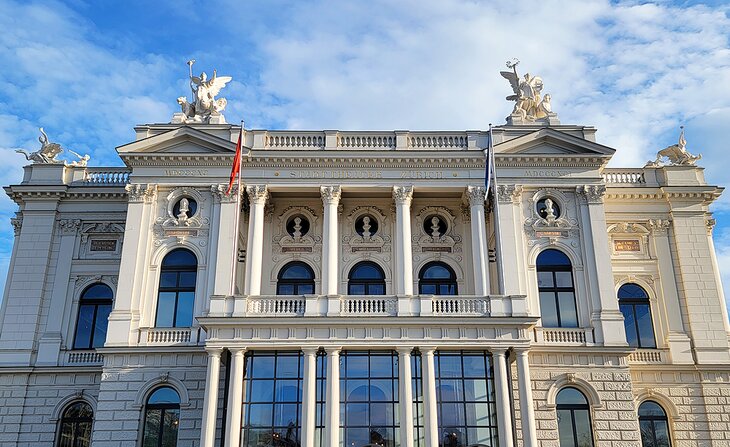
x,y
80,226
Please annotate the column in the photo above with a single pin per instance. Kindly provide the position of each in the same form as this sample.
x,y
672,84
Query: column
x,y
402,195
332,409
511,249
406,396
225,260
501,388
309,397
606,318
257,195
330,273
430,419
527,415
475,196
235,398
210,400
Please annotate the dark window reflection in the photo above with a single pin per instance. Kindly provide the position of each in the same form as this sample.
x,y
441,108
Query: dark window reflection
x,y
437,278
654,425
161,418
295,278
95,306
556,289
634,304
366,278
76,423
574,419
176,296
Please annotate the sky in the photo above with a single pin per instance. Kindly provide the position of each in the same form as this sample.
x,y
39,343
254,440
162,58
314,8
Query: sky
x,y
88,71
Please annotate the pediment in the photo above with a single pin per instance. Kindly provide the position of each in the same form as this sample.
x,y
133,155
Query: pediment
x,y
551,142
182,140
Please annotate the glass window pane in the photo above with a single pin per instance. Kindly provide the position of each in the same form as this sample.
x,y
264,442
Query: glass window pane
x,y
185,304
296,270
545,279
102,320
97,292
450,366
262,367
428,289
570,396
357,436
451,414
630,324
357,390
477,414
169,429
357,414
548,311
661,433
376,289
357,366
356,289
552,258
285,414
436,271
306,289
261,391
287,366
164,395
285,289
366,270
168,279
474,366
260,415
583,428
632,291
180,258
647,433
83,434
646,329
650,408
165,309
83,327
382,414
381,366
187,279
451,390
382,390
565,429
564,279
152,428
568,315
66,435
475,390
287,391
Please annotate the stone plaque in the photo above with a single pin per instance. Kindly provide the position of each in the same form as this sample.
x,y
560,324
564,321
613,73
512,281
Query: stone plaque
x,y
550,234
441,249
376,249
181,232
296,249
103,245
626,245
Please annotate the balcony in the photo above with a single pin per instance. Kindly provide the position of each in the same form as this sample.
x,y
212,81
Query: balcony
x,y
171,336
368,306
561,336
86,357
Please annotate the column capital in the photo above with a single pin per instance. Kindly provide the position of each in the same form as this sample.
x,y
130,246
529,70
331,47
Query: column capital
x,y
509,193
498,352
214,352
141,193
403,194
310,350
404,350
592,194
333,350
330,194
69,226
237,352
659,226
521,352
429,350
257,194
220,193
475,195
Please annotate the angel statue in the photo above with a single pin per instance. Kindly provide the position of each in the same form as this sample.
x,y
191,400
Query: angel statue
x,y
204,108
677,154
81,162
529,104
46,154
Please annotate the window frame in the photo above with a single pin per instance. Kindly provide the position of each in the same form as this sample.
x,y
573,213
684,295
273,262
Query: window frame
x,y
96,303
163,407
573,408
367,283
296,283
450,282
633,302
555,290
653,420
75,421
177,289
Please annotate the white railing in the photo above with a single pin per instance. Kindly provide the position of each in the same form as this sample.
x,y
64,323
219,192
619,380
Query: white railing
x,y
84,358
294,140
369,306
460,306
564,336
365,141
624,176
106,176
167,336
647,356
438,141
282,306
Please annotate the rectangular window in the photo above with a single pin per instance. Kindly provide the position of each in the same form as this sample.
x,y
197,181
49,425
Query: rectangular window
x,y
273,401
467,413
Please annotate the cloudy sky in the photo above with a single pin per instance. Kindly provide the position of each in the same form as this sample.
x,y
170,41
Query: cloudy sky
x,y
87,71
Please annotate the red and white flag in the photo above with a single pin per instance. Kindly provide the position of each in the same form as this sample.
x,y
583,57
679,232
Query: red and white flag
x,y
236,168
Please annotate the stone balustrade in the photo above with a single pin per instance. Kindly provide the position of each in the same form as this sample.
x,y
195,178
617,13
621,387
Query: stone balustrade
x,y
621,177
170,336
368,140
106,176
83,357
644,356
564,336
380,305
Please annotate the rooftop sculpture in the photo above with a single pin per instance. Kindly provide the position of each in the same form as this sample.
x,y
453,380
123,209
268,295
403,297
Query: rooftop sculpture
x,y
46,154
530,105
677,154
204,108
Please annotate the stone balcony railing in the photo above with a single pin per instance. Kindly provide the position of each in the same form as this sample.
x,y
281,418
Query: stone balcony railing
x,y
377,140
649,356
171,336
368,306
564,336
86,357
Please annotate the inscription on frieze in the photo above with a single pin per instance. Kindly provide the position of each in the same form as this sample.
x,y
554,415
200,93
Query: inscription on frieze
x,y
103,245
630,245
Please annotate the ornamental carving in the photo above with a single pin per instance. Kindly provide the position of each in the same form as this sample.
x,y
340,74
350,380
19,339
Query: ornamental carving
x,y
402,194
17,223
297,235
69,226
554,220
659,226
437,234
257,194
366,235
629,239
141,193
220,193
475,195
710,223
178,219
330,194
592,194
509,193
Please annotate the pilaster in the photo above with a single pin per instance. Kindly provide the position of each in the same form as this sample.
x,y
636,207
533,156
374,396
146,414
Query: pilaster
x,y
511,257
225,207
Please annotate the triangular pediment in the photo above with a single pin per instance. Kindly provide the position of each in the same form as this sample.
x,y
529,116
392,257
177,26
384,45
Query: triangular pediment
x,y
182,140
550,142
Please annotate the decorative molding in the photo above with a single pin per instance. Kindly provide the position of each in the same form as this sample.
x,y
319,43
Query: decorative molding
x,y
509,193
330,194
220,193
659,226
141,193
710,224
475,195
592,194
69,226
403,194
257,194
17,223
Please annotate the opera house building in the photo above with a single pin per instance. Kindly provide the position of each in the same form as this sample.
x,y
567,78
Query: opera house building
x,y
364,289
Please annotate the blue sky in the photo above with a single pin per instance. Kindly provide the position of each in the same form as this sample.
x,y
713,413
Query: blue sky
x,y
88,71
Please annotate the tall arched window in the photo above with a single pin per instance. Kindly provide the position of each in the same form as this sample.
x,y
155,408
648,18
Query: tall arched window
x,y
557,292
176,297
634,304
366,278
437,278
653,425
161,418
75,430
295,278
95,306
574,419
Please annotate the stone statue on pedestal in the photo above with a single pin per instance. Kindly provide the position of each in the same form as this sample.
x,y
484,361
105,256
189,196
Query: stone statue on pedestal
x,y
46,154
677,154
530,106
204,108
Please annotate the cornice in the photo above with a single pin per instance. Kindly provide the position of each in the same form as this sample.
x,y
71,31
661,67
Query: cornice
x,y
171,159
558,161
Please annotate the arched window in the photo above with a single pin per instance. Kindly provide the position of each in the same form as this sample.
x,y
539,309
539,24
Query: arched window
x,y
295,278
161,418
634,304
95,306
76,424
574,419
366,278
437,278
176,297
557,292
653,425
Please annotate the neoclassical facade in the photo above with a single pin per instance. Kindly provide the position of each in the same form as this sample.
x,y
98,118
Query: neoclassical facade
x,y
364,289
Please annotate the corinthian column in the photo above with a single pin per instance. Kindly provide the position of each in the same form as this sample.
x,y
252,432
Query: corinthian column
x,y
257,195
402,195
330,200
475,195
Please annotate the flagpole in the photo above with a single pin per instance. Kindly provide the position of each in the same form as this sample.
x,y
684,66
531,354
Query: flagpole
x,y
497,227
234,264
